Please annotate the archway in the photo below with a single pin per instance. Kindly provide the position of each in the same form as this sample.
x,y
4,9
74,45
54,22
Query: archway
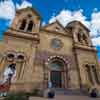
x,y
57,72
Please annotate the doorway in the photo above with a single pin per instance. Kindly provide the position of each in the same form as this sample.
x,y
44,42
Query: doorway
x,y
56,79
57,73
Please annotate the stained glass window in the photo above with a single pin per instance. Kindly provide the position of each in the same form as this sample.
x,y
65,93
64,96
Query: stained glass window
x,y
56,43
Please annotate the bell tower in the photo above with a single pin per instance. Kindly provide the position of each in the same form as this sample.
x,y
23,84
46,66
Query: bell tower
x,y
20,44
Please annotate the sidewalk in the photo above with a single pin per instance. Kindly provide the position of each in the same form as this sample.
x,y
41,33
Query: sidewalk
x,y
65,97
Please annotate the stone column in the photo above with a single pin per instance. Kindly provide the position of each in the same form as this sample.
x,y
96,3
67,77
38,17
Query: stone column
x,y
19,66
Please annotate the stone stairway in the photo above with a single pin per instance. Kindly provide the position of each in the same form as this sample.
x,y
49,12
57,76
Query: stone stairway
x,y
69,92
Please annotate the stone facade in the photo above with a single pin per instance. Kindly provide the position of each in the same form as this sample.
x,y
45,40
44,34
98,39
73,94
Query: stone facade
x,y
63,55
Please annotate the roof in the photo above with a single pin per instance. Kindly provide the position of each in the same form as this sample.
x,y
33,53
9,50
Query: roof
x,y
54,23
75,21
29,8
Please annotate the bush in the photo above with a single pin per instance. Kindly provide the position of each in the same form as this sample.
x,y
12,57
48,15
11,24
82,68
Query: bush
x,y
16,96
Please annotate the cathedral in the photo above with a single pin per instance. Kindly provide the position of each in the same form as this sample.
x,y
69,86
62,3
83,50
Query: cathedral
x,y
64,56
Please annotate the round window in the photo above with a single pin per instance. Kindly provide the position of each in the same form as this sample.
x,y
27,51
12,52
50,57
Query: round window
x,y
56,43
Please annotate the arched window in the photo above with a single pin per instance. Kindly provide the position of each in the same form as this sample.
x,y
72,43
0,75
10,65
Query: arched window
x,y
92,74
30,26
10,57
82,38
95,73
88,69
20,58
23,24
57,64
79,37
85,39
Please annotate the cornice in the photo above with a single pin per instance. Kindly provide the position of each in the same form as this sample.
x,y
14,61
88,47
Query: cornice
x,y
20,34
57,33
86,48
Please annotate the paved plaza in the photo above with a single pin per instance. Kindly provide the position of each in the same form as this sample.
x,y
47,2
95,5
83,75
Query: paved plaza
x,y
66,97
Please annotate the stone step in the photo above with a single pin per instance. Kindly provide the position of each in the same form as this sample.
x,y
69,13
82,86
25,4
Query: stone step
x,y
69,91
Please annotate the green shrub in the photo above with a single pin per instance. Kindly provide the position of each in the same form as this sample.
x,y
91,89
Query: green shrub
x,y
16,96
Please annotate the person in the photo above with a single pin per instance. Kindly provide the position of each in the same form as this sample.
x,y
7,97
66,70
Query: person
x,y
51,92
49,84
9,72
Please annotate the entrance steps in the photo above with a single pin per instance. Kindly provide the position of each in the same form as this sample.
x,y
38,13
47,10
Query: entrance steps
x,y
69,91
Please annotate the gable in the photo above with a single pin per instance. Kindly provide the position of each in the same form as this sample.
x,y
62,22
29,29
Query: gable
x,y
56,27
28,10
78,24
26,15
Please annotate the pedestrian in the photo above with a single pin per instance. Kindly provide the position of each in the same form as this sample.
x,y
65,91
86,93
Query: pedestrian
x,y
49,84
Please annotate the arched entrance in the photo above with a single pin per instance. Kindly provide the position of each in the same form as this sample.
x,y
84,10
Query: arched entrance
x,y
57,72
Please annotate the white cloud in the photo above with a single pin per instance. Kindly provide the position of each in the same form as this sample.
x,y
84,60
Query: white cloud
x,y
43,23
7,9
95,24
66,16
24,4
96,41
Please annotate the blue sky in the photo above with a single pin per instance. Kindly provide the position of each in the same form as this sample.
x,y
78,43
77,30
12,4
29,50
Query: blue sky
x,y
86,11
47,7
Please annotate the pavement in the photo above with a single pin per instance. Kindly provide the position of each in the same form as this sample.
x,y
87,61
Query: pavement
x,y
65,97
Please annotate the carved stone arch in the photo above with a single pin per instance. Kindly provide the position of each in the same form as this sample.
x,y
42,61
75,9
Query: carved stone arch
x,y
10,55
21,57
24,21
82,37
27,14
57,68
57,58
